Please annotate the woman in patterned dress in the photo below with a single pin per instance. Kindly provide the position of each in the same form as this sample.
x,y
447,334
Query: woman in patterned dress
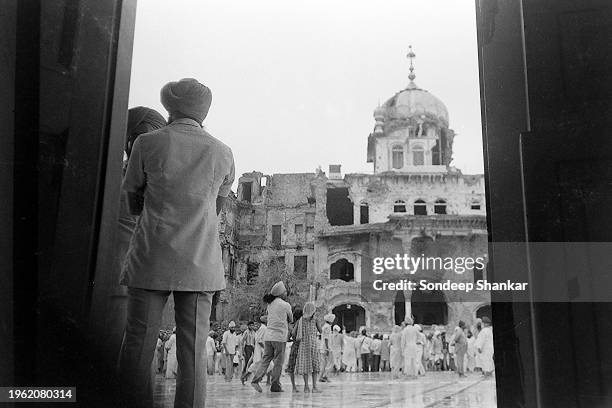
x,y
308,353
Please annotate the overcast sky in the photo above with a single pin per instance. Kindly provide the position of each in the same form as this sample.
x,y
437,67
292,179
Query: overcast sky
x,y
295,83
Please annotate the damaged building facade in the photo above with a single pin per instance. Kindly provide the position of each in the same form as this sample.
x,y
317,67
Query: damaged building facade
x,y
327,228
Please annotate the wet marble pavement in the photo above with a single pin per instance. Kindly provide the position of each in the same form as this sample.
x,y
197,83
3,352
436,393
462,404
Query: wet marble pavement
x,y
370,390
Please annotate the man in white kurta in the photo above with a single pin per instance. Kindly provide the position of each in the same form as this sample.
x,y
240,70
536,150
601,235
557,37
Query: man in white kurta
x,y
409,348
176,181
484,347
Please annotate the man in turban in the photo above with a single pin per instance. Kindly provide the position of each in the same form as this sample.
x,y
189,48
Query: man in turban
x,y
409,348
280,315
177,179
325,348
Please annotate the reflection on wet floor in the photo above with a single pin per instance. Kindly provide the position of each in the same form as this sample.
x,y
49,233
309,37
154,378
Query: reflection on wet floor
x,y
436,389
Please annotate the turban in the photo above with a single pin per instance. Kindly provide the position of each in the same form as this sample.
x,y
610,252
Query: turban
x,y
141,115
278,289
337,328
309,310
188,97
231,324
329,318
263,319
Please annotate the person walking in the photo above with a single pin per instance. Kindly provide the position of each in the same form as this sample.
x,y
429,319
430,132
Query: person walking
x,y
229,343
259,348
247,346
275,337
308,363
177,180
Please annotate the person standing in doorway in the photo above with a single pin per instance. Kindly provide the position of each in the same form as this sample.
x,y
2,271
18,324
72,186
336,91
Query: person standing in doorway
x,y
275,337
177,180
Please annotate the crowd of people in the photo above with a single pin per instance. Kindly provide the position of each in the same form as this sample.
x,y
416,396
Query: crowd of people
x,y
318,348
176,180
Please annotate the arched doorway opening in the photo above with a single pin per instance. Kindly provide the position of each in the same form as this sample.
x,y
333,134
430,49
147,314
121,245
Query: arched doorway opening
x,y
350,317
429,307
342,269
484,311
399,307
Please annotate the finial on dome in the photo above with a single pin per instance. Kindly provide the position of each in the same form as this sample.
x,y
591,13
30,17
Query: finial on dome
x,y
411,55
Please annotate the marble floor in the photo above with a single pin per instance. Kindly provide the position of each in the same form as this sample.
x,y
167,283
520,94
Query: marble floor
x,y
370,390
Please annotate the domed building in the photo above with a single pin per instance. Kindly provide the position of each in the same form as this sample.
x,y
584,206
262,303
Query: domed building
x,y
327,229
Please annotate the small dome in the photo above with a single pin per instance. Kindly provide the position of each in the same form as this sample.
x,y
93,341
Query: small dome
x,y
379,113
414,101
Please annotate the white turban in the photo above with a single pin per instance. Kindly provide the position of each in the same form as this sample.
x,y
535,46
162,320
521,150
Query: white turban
x,y
278,289
188,97
232,324
329,318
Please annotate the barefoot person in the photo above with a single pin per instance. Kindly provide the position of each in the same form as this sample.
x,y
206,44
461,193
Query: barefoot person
x,y
409,349
484,347
308,363
177,180
295,346
326,352
275,337
396,358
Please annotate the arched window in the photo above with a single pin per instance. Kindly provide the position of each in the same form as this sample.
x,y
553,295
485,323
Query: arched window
x,y
420,207
397,157
440,207
418,155
364,213
342,269
399,206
